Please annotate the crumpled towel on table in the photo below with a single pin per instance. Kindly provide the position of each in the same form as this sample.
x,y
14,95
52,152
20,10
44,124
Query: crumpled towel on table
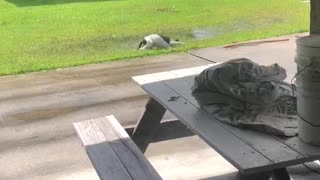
x,y
247,95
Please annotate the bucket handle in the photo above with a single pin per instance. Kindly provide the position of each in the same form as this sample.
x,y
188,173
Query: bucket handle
x,y
293,87
313,125
299,72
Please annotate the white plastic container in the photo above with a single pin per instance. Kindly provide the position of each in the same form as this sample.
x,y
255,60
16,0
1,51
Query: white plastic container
x,y
308,88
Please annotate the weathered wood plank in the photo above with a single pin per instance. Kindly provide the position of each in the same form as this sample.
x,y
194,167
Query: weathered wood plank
x,y
235,151
148,125
310,152
313,166
199,69
302,172
112,152
148,78
315,17
183,72
129,154
101,154
267,145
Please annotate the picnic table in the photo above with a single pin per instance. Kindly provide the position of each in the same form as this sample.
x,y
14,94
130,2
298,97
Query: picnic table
x,y
257,156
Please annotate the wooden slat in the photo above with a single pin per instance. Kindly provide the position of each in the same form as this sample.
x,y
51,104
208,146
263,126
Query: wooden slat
x,y
310,152
313,166
101,154
235,151
199,69
267,145
120,146
146,79
136,164
302,172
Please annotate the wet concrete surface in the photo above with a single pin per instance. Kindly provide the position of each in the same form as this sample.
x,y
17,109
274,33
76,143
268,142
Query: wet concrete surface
x,y
37,139
37,110
262,51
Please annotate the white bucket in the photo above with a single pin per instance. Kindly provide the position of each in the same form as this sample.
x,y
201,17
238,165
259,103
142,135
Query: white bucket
x,y
308,88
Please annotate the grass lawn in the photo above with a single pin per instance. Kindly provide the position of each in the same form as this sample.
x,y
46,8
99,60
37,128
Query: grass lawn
x,y
46,34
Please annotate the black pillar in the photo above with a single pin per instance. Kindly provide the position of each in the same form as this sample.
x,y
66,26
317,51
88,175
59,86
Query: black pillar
x,y
315,17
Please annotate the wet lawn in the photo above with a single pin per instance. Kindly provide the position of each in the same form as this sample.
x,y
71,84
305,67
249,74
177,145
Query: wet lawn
x,y
47,34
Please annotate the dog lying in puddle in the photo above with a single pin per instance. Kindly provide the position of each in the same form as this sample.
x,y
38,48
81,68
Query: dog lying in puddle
x,y
157,41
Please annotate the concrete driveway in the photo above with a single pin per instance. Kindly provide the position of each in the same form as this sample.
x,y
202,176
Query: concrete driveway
x,y
37,140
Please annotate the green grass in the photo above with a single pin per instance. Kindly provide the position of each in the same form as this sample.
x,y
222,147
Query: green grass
x,y
46,34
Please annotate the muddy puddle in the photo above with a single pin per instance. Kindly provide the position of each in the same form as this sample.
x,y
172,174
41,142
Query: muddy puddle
x,y
235,26
206,33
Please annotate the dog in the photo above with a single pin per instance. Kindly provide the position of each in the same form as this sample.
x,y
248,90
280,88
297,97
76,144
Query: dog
x,y
157,41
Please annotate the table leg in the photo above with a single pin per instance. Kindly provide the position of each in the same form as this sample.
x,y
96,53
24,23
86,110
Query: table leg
x,y
257,176
280,174
277,174
148,124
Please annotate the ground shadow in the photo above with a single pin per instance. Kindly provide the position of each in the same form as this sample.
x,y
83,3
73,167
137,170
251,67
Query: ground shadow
x,y
24,3
228,176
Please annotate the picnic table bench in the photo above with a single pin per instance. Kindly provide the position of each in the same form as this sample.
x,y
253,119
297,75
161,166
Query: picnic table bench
x,y
112,152
256,155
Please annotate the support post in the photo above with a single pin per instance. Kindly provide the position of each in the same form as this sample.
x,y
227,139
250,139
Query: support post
x,y
315,17
280,174
257,176
148,124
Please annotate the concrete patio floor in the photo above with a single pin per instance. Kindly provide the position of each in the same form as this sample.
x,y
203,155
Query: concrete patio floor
x,y
37,140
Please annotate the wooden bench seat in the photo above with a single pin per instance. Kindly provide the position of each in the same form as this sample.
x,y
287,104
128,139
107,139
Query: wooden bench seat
x,y
111,151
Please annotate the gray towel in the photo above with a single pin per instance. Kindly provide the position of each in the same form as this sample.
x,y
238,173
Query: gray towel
x,y
244,94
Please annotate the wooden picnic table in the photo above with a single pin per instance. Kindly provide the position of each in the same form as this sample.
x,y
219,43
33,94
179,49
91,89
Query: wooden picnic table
x,y
256,155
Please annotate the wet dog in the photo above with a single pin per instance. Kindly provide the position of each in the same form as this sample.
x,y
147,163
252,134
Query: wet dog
x,y
157,41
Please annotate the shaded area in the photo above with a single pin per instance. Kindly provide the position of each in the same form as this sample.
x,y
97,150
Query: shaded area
x,y
228,176
38,109
21,3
